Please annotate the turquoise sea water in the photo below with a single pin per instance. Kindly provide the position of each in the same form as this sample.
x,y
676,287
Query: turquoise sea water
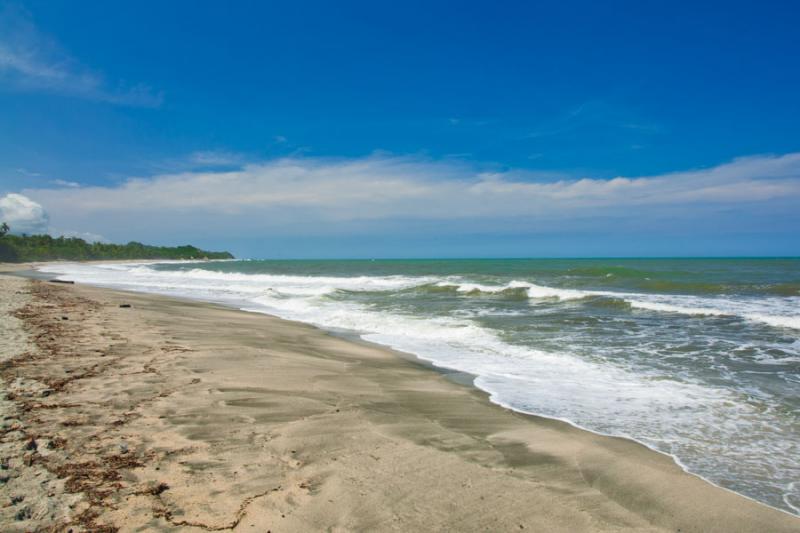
x,y
698,358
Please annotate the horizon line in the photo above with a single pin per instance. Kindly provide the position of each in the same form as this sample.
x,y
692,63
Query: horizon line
x,y
523,258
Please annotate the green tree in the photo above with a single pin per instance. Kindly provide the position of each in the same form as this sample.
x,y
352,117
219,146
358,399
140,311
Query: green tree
x,y
7,252
45,248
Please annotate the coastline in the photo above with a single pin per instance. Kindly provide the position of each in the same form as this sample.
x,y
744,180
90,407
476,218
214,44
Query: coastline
x,y
387,443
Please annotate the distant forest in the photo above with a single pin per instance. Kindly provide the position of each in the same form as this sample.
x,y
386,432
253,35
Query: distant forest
x,y
22,248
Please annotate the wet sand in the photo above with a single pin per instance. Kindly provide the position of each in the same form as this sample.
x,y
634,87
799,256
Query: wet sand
x,y
171,415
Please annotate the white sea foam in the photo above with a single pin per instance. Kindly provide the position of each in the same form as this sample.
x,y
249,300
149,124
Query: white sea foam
x,y
782,312
533,291
670,308
777,321
779,312
539,291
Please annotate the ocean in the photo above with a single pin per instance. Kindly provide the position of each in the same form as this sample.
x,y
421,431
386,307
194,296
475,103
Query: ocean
x,y
696,358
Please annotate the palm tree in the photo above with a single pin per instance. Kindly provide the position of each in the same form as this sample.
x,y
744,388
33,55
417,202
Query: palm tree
x,y
4,229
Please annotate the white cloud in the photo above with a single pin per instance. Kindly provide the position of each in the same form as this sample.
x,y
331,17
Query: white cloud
x,y
392,196
22,214
26,172
384,187
215,158
65,183
29,60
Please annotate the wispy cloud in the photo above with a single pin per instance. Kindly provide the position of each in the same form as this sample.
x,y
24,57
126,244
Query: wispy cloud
x,y
65,183
28,173
215,158
33,61
593,115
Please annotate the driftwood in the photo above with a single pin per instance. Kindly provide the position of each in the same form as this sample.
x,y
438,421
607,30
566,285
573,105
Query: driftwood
x,y
61,281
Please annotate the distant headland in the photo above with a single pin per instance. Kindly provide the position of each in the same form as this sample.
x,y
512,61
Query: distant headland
x,y
25,248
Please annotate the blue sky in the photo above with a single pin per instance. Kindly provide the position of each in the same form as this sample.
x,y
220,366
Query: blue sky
x,y
353,129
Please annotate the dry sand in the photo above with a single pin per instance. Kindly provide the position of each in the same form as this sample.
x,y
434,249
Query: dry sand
x,y
180,416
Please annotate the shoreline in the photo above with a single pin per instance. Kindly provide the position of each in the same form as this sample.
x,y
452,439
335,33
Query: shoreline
x,y
466,379
521,430
457,376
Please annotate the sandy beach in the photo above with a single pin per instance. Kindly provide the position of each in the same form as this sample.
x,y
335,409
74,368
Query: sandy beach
x,y
130,412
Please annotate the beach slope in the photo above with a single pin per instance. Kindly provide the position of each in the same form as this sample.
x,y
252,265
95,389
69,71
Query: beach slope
x,y
133,412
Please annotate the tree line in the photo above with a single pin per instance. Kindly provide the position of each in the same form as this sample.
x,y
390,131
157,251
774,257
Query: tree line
x,y
23,248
